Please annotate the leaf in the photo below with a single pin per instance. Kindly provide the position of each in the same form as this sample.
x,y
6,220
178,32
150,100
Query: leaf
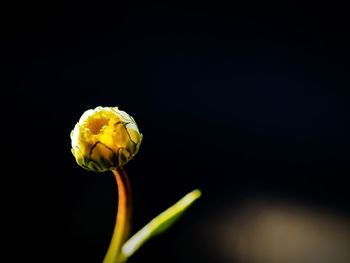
x,y
160,223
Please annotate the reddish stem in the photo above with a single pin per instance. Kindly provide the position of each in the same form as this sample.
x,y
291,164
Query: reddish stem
x,y
122,225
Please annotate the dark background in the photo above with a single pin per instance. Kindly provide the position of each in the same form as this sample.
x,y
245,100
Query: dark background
x,y
239,100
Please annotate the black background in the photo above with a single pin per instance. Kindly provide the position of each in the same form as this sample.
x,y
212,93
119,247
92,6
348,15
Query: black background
x,y
238,100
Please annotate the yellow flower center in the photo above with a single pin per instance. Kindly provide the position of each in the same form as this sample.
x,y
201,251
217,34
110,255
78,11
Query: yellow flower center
x,y
96,124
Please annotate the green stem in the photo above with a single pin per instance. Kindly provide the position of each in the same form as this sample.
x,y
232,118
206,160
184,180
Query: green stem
x,y
122,225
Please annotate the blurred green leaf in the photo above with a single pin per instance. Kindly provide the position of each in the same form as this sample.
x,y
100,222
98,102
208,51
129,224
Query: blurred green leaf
x,y
160,223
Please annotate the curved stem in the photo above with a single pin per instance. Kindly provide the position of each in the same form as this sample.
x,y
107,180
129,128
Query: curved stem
x,y
122,225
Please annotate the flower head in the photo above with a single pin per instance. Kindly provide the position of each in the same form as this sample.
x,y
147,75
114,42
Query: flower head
x,y
104,139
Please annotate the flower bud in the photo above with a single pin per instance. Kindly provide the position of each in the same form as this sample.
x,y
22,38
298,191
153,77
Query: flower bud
x,y
105,138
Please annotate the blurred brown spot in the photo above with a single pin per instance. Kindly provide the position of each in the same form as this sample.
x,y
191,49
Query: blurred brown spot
x,y
271,232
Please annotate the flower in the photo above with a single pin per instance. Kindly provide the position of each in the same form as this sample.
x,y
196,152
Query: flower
x,y
105,138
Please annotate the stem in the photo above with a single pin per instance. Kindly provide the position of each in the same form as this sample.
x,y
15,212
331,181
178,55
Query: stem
x,y
122,225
